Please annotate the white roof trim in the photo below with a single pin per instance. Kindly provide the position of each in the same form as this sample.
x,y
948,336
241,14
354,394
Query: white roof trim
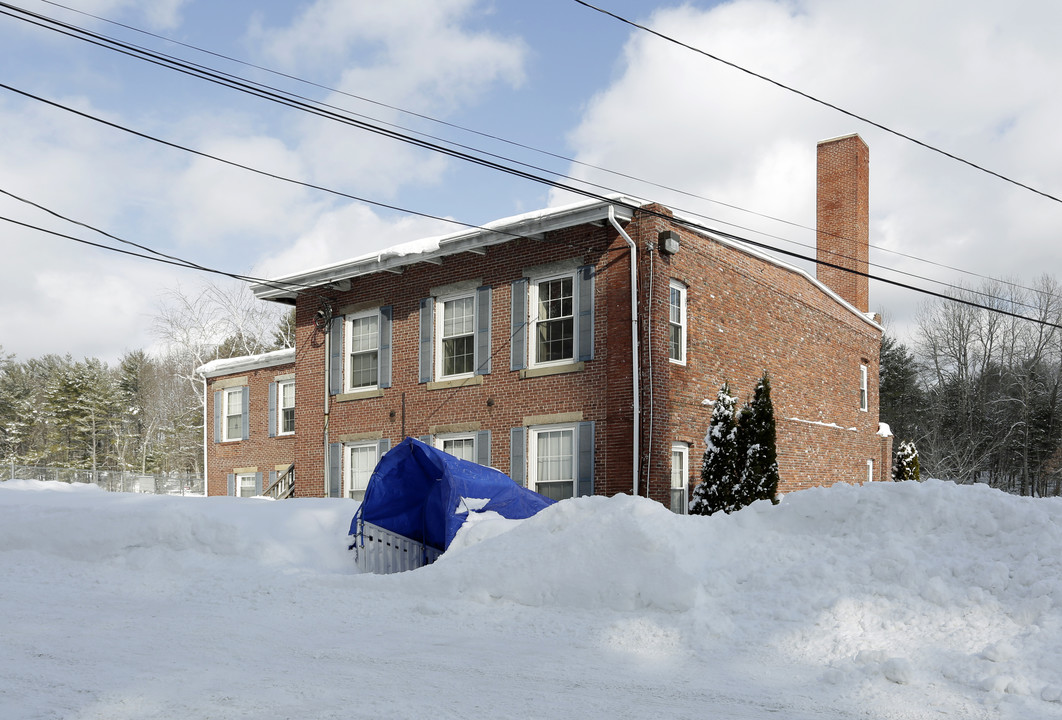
x,y
430,249
245,363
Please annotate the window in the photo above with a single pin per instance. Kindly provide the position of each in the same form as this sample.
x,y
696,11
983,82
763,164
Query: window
x,y
680,476
232,414
246,485
677,323
363,347
863,400
870,471
553,320
460,446
286,407
359,461
553,462
456,336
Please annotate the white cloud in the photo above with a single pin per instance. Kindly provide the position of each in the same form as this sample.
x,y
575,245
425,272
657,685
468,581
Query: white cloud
x,y
970,77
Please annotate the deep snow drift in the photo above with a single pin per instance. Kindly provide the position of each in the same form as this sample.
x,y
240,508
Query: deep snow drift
x,y
882,601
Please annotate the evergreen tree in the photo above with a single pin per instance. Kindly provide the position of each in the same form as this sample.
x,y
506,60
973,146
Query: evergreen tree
x,y
756,426
906,466
719,488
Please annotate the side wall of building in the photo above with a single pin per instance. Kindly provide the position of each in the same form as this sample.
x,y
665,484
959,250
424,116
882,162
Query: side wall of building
x,y
747,315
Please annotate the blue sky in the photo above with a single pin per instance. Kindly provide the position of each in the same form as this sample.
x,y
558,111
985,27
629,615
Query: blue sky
x,y
972,77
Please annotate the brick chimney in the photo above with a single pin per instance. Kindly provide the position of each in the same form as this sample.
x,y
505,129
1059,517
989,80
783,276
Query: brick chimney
x,y
842,217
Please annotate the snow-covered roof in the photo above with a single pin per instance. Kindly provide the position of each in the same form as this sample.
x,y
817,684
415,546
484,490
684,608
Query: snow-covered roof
x,y
244,363
531,224
538,222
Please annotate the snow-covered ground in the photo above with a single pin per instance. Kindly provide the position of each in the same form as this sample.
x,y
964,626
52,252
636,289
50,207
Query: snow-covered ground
x,y
882,601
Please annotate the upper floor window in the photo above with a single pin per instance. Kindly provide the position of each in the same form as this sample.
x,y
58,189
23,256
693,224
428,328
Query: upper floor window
x,y
553,320
286,407
232,414
363,350
677,323
456,349
863,389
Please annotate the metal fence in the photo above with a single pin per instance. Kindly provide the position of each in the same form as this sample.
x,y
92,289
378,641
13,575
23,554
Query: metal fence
x,y
113,480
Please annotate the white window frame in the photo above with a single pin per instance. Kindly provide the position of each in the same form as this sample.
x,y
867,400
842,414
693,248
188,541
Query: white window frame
x,y
864,389
533,319
683,347
870,471
440,305
348,342
441,440
683,451
532,454
281,384
348,453
226,412
240,477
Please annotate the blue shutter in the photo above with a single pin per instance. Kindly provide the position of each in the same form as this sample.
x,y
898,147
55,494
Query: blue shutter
x,y
218,399
257,484
517,455
385,346
585,465
482,351
518,339
385,445
427,311
335,469
585,333
232,484
245,412
272,409
335,355
483,447
272,478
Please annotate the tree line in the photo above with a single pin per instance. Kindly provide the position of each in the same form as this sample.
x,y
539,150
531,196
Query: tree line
x,y
144,413
977,392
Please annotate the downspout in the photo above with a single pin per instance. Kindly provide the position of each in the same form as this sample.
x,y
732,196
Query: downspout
x,y
635,368
327,399
206,440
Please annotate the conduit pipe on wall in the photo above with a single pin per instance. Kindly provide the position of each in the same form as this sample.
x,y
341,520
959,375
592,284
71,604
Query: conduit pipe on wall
x,y
635,368
206,442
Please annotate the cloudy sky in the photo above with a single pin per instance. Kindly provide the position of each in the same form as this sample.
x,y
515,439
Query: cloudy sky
x,y
552,84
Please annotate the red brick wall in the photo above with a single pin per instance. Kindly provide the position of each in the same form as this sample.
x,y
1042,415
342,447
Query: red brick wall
x,y
258,450
746,315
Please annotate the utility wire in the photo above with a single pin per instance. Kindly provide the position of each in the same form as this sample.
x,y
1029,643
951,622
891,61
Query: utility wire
x,y
205,72
697,227
824,103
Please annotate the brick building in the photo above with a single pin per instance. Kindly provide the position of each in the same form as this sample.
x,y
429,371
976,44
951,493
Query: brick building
x,y
577,349
250,447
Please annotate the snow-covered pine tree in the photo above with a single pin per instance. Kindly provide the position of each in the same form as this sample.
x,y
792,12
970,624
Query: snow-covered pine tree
x,y
759,478
906,466
720,474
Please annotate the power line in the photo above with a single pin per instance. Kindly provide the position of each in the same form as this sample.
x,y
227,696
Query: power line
x,y
679,221
283,97
824,103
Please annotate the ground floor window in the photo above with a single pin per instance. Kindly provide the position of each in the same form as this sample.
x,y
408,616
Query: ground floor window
x,y
359,460
552,463
246,485
680,477
460,446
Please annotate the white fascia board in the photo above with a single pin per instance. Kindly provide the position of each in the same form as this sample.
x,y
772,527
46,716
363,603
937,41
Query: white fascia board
x,y
246,363
532,224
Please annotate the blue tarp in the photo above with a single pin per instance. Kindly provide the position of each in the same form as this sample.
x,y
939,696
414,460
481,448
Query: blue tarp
x,y
420,492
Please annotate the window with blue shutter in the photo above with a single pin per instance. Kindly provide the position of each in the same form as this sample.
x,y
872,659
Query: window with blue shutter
x,y
335,355
518,327
585,332
517,456
272,409
385,346
482,361
335,469
425,356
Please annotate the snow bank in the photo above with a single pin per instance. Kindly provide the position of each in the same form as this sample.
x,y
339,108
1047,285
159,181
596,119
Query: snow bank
x,y
888,600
